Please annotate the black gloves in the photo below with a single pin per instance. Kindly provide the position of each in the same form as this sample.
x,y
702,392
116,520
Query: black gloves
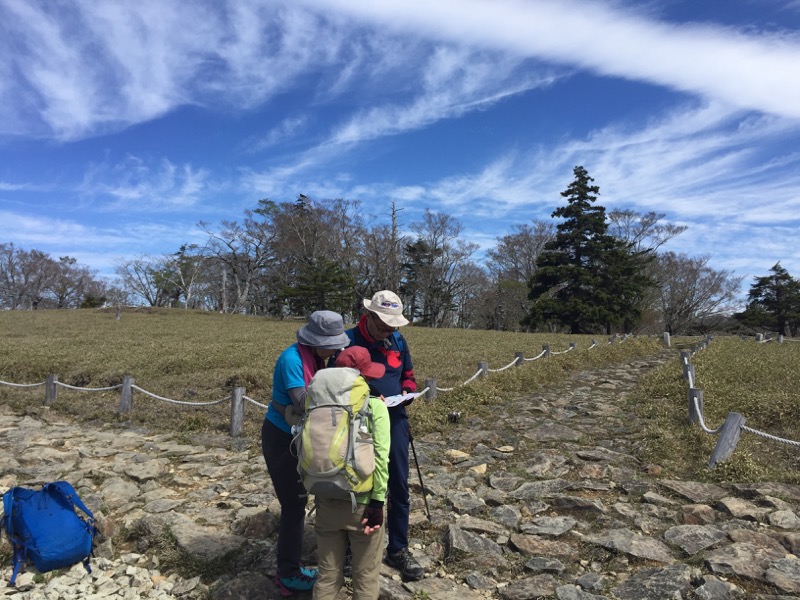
x,y
373,514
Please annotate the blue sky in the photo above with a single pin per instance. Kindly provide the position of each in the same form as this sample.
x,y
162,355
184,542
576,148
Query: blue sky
x,y
125,123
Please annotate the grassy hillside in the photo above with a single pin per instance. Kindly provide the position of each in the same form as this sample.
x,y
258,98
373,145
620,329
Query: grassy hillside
x,y
758,381
199,357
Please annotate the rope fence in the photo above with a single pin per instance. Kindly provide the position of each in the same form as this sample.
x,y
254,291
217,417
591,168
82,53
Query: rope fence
x,y
730,430
238,398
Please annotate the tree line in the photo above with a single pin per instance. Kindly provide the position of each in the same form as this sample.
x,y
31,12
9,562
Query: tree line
x,y
584,271
31,279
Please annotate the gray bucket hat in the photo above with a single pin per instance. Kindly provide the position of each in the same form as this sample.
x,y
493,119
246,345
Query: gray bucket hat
x,y
324,330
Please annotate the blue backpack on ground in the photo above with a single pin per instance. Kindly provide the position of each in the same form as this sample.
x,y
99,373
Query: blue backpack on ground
x,y
45,529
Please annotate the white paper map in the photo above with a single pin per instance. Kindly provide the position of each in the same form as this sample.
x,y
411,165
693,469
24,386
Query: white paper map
x,y
400,398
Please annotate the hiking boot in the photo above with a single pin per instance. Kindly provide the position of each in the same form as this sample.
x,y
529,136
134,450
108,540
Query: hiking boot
x,y
403,561
302,582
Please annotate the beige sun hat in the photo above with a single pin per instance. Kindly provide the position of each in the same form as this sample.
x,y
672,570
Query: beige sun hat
x,y
388,307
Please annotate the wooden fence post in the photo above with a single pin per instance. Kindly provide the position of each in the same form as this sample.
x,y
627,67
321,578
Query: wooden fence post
x,y
519,356
695,413
126,397
237,411
572,345
431,385
50,389
484,369
728,438
546,348
667,341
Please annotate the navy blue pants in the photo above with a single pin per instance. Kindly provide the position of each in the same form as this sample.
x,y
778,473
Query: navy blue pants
x,y
282,467
398,500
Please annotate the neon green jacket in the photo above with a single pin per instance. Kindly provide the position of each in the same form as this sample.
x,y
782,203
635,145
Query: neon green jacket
x,y
381,437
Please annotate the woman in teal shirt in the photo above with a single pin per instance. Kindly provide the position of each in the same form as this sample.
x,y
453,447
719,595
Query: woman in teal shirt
x,y
317,341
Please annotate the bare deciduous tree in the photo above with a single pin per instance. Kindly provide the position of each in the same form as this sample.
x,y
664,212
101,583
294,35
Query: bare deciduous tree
x,y
514,257
243,250
433,267
642,231
143,278
694,297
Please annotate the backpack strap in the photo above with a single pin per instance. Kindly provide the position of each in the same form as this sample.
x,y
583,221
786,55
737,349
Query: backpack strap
x,y
18,547
66,490
400,341
18,559
8,506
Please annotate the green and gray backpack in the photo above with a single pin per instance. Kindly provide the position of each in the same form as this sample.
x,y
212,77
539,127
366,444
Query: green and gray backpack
x,y
335,449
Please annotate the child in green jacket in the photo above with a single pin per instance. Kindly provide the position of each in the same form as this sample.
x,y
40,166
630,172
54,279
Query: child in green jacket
x,y
336,523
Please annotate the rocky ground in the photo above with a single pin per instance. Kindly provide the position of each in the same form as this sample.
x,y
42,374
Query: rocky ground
x,y
547,498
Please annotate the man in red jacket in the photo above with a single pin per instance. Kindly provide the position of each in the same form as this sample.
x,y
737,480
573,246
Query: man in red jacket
x,y
377,331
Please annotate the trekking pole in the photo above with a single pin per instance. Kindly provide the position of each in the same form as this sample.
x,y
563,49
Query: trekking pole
x,y
422,485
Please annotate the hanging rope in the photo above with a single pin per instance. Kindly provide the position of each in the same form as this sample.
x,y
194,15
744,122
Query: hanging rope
x,y
171,401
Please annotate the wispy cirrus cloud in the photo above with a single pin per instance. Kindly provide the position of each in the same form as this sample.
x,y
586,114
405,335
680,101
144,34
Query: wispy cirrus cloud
x,y
454,82
86,67
137,185
750,70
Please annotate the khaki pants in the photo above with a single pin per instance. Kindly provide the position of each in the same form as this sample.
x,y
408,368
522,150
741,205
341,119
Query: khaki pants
x,y
335,526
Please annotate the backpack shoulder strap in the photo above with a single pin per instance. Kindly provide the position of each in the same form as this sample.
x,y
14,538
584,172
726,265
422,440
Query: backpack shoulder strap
x,y
400,341
8,507
19,553
68,492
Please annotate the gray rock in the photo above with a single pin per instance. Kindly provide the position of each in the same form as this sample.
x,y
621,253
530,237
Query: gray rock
x,y
656,584
532,587
742,559
542,564
624,540
713,588
784,519
552,526
499,488
694,538
695,491
463,545
570,592
785,574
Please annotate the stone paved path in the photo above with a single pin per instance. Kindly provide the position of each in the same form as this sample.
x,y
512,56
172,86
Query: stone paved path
x,y
546,499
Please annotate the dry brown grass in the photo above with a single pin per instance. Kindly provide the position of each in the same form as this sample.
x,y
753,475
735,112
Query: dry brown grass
x,y
759,381
199,357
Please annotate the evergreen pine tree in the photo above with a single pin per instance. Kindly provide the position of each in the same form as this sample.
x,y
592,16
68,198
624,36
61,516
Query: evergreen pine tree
x,y
774,302
586,278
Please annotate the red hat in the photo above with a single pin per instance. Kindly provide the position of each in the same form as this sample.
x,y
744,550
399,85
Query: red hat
x,y
357,357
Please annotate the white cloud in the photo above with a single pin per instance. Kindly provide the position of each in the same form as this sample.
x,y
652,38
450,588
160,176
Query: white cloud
x,y
751,71
96,246
136,185
454,83
286,131
723,173
86,67
34,232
